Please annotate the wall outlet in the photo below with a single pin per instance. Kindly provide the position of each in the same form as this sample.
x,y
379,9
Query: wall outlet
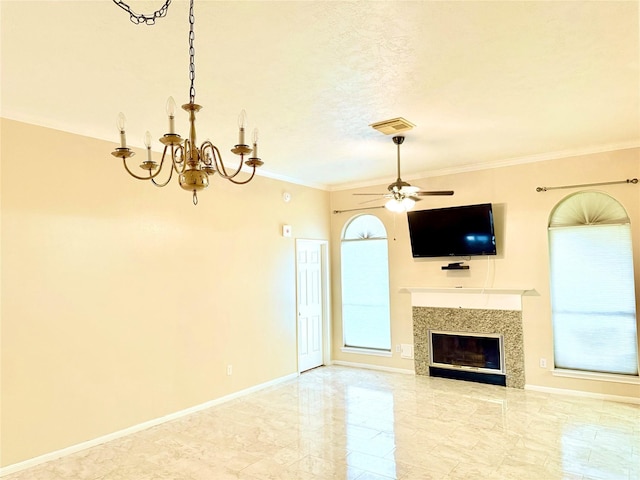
x,y
229,369
543,363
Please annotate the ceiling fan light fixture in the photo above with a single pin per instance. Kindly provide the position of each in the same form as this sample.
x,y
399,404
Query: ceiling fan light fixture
x,y
400,205
408,203
394,205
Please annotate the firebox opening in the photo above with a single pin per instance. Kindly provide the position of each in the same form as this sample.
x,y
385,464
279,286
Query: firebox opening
x,y
467,356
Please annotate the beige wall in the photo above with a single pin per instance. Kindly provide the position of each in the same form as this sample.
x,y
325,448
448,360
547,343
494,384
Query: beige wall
x,y
122,302
521,218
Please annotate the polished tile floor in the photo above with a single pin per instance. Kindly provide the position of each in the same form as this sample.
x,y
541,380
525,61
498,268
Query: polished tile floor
x,y
346,423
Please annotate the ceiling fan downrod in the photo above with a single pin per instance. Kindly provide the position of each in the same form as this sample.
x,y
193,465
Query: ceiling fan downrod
x,y
398,141
396,186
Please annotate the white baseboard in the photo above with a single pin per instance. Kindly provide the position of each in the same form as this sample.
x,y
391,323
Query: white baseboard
x,y
578,393
47,457
373,367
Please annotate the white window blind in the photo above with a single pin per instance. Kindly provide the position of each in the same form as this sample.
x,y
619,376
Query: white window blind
x,y
365,285
593,296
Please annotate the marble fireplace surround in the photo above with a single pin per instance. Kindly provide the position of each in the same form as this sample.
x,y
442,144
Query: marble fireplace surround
x,y
472,310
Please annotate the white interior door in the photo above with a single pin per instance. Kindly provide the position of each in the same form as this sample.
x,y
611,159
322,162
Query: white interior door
x,y
310,304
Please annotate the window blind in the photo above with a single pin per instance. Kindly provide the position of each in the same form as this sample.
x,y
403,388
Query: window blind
x,y
593,298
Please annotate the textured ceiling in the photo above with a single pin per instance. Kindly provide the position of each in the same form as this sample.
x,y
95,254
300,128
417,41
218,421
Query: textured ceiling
x,y
485,82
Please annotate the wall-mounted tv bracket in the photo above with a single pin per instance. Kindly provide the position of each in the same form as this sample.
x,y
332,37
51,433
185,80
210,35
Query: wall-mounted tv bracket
x,y
455,266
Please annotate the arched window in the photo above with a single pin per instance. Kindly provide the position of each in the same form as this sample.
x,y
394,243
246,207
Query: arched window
x,y
365,285
592,285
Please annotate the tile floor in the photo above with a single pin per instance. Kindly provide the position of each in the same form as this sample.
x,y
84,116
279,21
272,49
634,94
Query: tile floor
x,y
346,423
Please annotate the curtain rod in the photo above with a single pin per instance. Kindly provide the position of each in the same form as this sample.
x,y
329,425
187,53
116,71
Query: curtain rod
x,y
544,189
354,209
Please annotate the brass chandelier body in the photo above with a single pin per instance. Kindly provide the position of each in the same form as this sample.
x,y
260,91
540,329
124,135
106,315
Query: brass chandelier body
x,y
193,165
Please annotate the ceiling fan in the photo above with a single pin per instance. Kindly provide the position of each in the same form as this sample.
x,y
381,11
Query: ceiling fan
x,y
402,195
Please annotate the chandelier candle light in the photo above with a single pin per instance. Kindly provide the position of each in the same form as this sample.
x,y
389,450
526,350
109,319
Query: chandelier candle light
x,y
191,163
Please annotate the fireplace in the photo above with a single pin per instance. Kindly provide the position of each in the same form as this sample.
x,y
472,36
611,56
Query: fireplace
x,y
467,356
470,311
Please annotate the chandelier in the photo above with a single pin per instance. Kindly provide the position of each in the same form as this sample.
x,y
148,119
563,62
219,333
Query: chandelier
x,y
193,165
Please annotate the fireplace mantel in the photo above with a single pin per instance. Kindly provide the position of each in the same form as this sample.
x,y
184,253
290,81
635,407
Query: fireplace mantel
x,y
460,297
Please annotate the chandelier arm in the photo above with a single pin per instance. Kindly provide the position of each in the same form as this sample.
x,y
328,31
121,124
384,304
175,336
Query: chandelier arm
x,y
217,159
212,160
164,154
165,183
221,166
238,182
124,162
188,158
178,166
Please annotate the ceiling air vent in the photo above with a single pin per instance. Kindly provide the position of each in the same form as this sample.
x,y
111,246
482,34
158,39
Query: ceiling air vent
x,y
393,126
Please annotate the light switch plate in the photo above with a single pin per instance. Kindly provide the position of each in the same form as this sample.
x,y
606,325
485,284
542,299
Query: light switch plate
x,y
406,350
286,230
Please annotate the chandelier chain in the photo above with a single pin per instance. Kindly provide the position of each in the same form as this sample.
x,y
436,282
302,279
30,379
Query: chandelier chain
x,y
192,55
138,18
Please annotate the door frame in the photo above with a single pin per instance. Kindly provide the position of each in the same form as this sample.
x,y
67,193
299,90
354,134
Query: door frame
x,y
325,298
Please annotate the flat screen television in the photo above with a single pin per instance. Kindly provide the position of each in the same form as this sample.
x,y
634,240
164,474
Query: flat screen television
x,y
452,232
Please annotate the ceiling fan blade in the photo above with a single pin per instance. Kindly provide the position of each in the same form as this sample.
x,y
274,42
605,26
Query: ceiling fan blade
x,y
409,190
433,193
401,189
372,200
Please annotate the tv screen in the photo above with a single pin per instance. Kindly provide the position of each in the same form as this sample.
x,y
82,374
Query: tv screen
x,y
454,231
